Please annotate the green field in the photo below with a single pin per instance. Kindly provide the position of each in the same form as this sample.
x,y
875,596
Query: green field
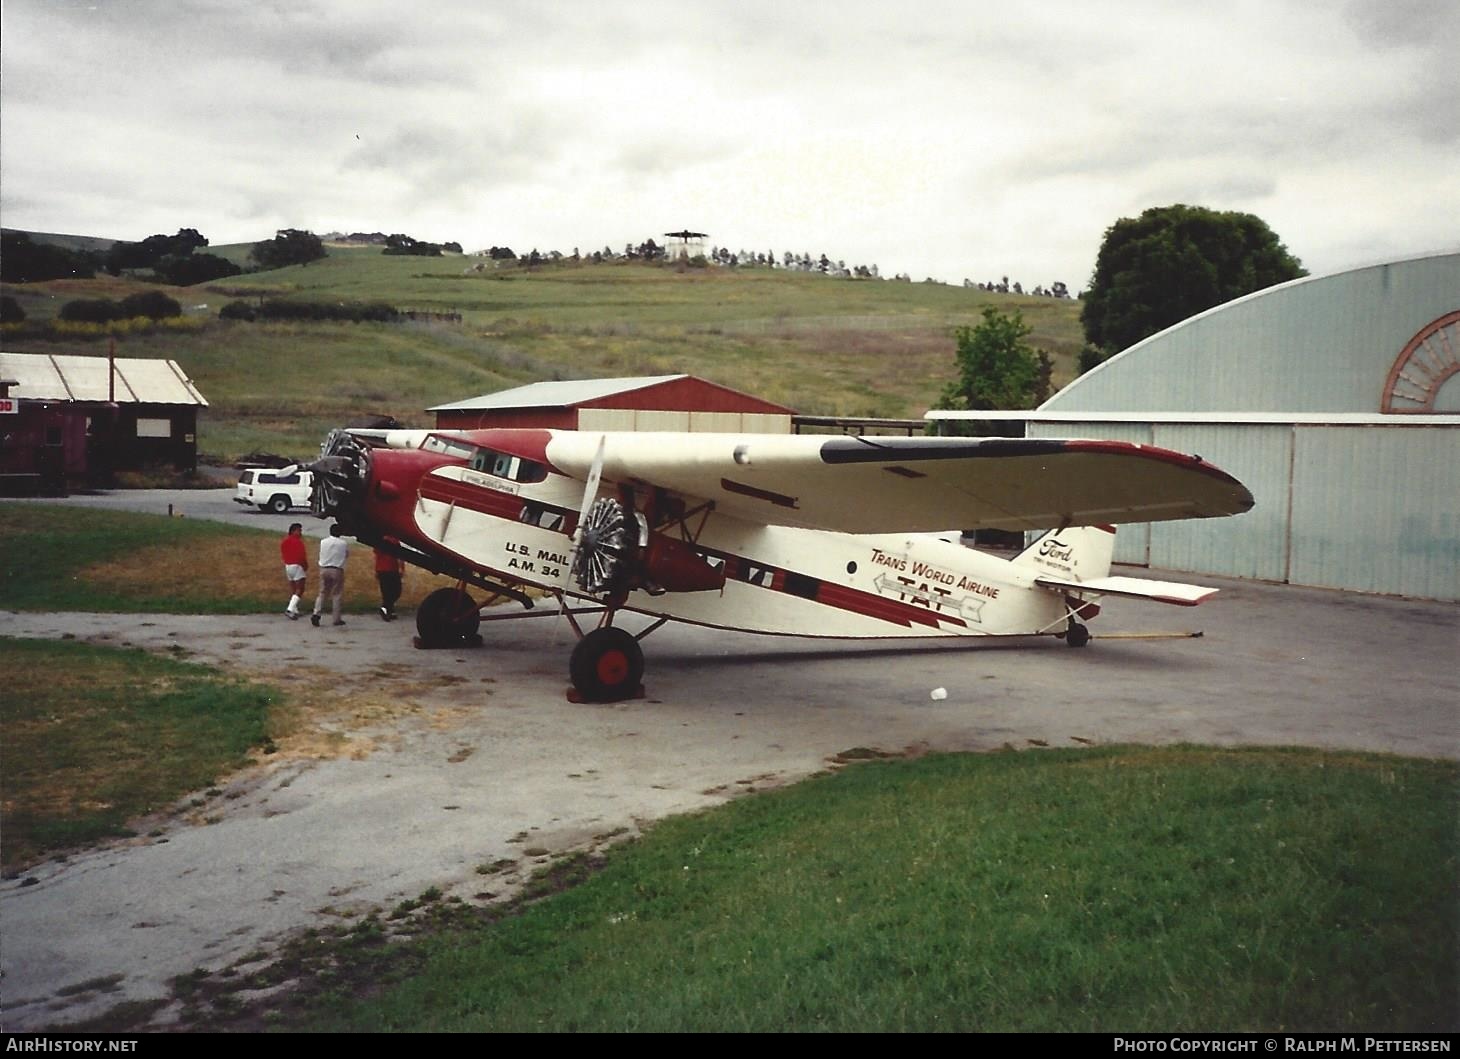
x,y
820,345
96,736
1130,889
64,558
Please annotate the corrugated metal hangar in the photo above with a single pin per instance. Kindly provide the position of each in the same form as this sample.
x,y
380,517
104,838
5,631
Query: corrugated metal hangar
x,y
1335,398
657,402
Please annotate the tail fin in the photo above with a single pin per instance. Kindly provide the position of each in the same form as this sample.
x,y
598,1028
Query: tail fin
x,y
1077,553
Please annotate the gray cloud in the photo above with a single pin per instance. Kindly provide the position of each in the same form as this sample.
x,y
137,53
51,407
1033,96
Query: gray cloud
x,y
929,137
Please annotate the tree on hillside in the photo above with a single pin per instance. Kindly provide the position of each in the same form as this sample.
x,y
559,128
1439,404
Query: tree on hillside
x,y
290,246
996,367
1173,262
404,245
23,260
187,269
153,249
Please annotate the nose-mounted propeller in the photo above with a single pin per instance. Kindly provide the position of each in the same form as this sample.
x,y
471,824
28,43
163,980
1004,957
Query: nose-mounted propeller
x,y
340,475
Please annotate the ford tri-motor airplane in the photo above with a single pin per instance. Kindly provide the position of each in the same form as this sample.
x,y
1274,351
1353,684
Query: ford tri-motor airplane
x,y
799,535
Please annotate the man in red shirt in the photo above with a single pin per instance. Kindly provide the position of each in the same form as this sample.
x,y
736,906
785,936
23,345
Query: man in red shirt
x,y
388,571
296,566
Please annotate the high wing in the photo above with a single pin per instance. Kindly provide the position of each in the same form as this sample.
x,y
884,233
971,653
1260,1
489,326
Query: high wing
x,y
888,485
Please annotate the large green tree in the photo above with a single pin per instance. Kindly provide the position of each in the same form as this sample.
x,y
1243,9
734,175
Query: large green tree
x,y
1173,262
996,367
290,246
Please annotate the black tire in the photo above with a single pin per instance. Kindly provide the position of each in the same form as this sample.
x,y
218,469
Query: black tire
x,y
606,665
447,616
279,505
1077,635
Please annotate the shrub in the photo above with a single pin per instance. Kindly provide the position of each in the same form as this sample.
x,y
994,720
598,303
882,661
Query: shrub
x,y
239,311
91,311
10,310
152,304
279,309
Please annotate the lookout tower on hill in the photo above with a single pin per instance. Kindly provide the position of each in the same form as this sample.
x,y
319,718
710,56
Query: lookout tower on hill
x,y
686,245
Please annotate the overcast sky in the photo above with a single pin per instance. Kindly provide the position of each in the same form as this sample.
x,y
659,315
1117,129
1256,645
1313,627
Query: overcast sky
x,y
944,139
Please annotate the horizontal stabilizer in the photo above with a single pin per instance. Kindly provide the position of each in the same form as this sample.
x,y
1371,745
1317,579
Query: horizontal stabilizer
x,y
1134,587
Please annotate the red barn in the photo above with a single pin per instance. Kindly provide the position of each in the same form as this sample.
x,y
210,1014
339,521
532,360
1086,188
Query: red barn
x,y
661,402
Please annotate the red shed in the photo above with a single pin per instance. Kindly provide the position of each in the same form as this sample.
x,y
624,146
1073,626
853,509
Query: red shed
x,y
660,402
69,420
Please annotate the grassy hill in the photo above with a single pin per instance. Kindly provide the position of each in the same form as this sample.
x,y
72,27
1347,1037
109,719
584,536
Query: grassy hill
x,y
823,346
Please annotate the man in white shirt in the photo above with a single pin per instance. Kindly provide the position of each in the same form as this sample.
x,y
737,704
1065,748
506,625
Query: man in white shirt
x,y
333,551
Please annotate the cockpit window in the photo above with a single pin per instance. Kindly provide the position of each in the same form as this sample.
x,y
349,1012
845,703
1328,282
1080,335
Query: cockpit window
x,y
463,450
488,461
503,465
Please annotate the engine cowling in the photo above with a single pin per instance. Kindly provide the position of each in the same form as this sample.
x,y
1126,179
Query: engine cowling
x,y
673,565
615,556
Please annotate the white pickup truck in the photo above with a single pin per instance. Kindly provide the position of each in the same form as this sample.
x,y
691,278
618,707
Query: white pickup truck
x,y
272,491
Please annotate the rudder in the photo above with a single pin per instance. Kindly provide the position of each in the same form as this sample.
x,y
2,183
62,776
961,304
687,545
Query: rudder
x,y
1076,553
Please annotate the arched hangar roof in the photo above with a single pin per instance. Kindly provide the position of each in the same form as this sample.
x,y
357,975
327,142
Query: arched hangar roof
x,y
1383,338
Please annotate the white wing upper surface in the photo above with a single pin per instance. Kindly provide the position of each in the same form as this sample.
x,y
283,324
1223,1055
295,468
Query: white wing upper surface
x,y
888,485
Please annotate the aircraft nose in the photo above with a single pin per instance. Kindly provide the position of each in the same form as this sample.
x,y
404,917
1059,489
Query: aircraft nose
x,y
340,476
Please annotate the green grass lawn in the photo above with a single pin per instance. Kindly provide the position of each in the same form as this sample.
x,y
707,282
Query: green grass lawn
x,y
1180,889
95,737
67,558
70,558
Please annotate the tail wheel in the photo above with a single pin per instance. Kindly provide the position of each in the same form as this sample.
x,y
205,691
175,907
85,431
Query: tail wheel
x,y
607,546
606,665
447,616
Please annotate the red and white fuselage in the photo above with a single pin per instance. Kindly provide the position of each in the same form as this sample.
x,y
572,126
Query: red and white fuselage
x,y
725,523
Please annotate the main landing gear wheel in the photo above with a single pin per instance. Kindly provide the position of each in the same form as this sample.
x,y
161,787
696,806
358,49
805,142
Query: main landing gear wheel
x,y
1077,635
606,666
447,616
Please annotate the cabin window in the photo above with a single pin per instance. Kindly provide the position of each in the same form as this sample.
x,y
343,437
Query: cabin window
x,y
154,428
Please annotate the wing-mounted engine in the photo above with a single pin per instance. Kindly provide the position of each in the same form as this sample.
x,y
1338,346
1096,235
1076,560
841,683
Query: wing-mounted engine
x,y
341,475
617,553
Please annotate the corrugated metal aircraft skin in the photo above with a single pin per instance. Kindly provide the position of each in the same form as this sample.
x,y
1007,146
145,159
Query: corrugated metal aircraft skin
x,y
1133,544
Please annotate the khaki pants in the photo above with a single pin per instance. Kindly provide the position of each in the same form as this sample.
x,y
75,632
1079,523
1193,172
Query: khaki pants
x,y
332,587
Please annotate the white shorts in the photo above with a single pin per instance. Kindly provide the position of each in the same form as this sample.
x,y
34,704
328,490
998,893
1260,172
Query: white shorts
x,y
293,572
